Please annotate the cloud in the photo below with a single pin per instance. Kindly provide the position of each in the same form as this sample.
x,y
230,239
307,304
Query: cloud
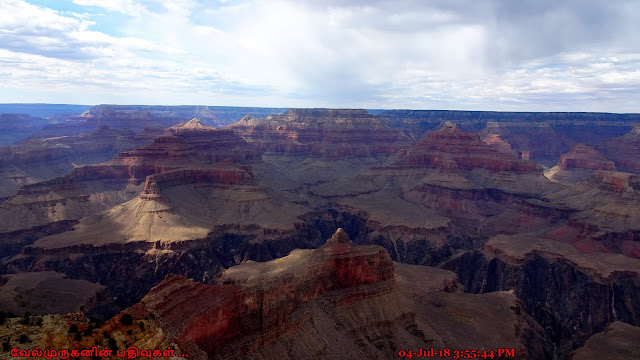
x,y
494,54
129,7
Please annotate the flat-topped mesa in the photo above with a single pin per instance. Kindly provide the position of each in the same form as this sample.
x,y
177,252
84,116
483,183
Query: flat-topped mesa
x,y
260,302
214,145
223,175
167,147
323,132
584,157
448,144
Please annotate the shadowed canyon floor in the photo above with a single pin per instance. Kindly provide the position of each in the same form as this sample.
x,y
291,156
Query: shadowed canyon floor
x,y
470,230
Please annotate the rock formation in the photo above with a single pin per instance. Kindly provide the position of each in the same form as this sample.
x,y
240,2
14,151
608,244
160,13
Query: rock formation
x,y
532,140
295,306
624,151
619,341
189,209
573,296
578,163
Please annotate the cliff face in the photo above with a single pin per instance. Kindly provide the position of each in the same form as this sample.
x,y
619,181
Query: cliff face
x,y
190,147
324,133
260,308
37,160
532,140
260,301
618,341
571,294
449,144
215,145
624,151
578,164
585,157
195,200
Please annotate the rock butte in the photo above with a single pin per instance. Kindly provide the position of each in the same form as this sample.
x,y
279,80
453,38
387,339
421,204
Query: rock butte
x,y
328,293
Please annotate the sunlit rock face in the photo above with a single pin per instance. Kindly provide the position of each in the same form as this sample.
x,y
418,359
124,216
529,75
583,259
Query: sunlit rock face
x,y
338,292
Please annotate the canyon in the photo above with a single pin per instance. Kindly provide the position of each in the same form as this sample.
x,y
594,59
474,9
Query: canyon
x,y
459,230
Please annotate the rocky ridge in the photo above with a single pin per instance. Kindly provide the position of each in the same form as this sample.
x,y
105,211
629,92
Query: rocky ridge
x,y
262,307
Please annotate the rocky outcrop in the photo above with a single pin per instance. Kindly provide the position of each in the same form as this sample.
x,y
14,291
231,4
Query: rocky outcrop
x,y
450,147
187,151
619,341
285,306
37,160
584,157
571,294
615,181
215,145
209,175
578,164
261,301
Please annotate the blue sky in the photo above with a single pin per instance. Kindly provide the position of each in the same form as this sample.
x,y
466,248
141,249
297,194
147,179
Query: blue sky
x,y
528,55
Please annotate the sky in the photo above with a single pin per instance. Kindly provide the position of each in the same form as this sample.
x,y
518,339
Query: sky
x,y
524,55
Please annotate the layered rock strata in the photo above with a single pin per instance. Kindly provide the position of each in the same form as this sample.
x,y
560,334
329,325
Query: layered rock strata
x,y
284,307
573,295
578,163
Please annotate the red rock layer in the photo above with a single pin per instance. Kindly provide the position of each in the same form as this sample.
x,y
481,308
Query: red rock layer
x,y
322,132
450,147
261,301
215,145
165,154
615,181
227,176
584,157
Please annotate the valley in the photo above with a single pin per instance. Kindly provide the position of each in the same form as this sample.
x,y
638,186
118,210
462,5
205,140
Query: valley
x,y
311,233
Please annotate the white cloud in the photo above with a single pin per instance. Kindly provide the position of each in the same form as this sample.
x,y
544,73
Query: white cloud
x,y
578,55
129,7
